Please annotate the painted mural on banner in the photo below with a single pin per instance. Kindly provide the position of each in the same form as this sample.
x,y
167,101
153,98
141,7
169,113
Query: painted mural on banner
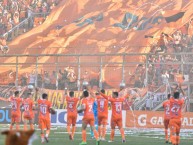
x,y
154,119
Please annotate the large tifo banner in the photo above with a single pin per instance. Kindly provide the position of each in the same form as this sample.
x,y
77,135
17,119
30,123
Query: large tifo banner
x,y
154,119
59,119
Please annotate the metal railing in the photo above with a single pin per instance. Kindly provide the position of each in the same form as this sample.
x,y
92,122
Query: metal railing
x,y
123,67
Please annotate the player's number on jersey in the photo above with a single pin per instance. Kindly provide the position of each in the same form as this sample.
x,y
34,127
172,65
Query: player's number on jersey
x,y
167,110
118,108
14,105
70,106
43,109
175,109
102,104
26,107
90,108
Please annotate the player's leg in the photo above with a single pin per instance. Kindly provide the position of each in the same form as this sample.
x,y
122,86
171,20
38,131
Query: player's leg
x,y
12,123
178,132
170,141
100,131
96,135
173,130
48,126
96,126
84,125
113,124
120,126
42,127
25,124
69,122
17,122
74,126
166,123
99,127
104,123
31,122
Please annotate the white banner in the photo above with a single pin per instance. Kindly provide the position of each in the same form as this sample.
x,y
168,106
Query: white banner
x,y
60,118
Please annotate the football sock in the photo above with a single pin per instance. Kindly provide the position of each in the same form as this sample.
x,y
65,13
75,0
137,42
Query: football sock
x,y
73,130
96,135
104,131
122,133
31,126
99,130
68,130
112,134
166,134
17,127
84,135
47,133
25,127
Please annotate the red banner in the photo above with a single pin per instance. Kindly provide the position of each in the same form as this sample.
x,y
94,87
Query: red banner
x,y
154,119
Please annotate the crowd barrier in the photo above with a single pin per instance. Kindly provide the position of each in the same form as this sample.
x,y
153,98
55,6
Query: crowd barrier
x,y
135,119
154,119
59,119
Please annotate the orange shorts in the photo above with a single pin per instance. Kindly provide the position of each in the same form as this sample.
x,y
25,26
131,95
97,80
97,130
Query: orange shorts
x,y
166,123
175,125
88,120
16,117
102,120
71,119
27,117
116,122
44,123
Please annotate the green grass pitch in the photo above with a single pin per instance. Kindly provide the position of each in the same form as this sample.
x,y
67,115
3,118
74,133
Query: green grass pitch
x,y
133,137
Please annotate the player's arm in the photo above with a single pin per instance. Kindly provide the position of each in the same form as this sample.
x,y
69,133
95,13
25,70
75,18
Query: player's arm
x,y
51,109
175,89
33,105
184,101
182,91
104,96
81,108
4,99
21,93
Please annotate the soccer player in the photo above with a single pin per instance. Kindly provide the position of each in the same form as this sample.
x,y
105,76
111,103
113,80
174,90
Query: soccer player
x,y
88,118
102,114
166,106
95,110
15,110
71,113
28,106
116,118
176,106
45,107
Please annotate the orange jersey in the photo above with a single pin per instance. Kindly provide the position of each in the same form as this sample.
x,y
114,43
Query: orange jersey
x,y
166,106
88,103
71,105
176,108
116,104
15,104
102,106
44,108
28,105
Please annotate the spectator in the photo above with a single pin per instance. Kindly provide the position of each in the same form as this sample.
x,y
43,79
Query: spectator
x,y
53,80
32,78
46,80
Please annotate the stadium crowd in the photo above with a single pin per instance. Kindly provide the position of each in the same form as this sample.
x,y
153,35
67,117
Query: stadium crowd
x,y
13,12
